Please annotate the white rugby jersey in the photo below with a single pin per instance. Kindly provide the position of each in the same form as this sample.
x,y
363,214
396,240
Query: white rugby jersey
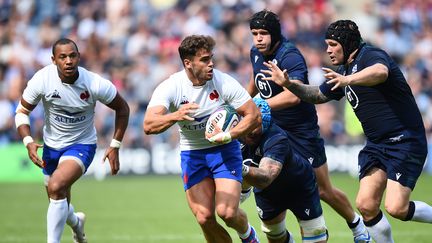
x,y
69,108
178,90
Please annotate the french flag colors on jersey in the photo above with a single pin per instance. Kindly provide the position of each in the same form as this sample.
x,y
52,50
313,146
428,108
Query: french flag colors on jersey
x,y
178,90
69,107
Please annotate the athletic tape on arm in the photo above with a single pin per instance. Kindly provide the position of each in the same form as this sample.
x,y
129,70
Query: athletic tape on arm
x,y
21,116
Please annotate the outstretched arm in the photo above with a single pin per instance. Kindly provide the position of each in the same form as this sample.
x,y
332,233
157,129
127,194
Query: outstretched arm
x,y
369,76
308,93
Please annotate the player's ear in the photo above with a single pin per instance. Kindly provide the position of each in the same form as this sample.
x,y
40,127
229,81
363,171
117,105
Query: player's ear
x,y
53,59
187,63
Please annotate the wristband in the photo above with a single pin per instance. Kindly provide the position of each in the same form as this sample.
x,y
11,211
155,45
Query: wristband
x,y
115,143
27,140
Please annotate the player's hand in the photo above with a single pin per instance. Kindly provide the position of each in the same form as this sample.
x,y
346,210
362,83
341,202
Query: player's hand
x,y
187,111
218,136
112,154
33,155
275,74
338,80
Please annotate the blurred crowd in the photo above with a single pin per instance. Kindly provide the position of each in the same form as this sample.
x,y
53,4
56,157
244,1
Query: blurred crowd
x,y
134,44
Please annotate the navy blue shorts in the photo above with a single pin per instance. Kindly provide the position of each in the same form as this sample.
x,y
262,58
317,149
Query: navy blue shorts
x,y
82,153
401,165
223,161
296,192
310,146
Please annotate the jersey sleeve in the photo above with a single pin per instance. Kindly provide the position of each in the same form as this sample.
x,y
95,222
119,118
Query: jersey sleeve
x,y
106,91
295,65
233,93
336,94
373,57
34,90
162,95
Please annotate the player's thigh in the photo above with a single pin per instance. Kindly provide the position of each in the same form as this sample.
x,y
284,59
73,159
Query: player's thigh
x,y
67,172
397,196
371,189
276,220
201,197
227,193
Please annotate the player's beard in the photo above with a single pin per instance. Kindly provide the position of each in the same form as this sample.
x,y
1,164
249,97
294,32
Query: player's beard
x,y
204,75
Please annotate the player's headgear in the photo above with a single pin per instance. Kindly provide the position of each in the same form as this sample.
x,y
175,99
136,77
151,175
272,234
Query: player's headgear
x,y
265,113
347,34
269,21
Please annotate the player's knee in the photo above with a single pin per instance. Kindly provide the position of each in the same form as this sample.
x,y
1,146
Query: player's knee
x,y
367,207
205,218
276,232
396,209
314,230
325,194
227,214
56,189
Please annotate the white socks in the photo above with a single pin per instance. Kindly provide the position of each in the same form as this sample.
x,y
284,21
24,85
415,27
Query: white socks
x,y
247,233
72,219
381,230
422,212
56,219
360,228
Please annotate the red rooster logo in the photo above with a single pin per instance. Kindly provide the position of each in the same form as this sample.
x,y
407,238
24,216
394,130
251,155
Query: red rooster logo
x,y
85,95
214,95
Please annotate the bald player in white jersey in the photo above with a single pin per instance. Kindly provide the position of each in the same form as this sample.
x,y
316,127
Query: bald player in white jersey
x,y
68,94
211,163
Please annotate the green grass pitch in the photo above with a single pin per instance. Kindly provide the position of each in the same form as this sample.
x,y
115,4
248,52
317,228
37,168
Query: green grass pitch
x,y
154,209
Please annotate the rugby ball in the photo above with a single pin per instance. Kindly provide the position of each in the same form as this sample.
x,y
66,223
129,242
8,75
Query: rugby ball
x,y
224,117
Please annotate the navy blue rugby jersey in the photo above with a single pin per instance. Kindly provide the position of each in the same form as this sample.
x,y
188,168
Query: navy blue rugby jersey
x,y
387,111
301,117
296,175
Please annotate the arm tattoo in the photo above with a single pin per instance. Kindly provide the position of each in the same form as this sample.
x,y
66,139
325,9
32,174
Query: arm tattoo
x,y
308,93
263,176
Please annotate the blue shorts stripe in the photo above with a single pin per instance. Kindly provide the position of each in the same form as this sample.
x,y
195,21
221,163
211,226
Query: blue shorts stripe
x,y
314,238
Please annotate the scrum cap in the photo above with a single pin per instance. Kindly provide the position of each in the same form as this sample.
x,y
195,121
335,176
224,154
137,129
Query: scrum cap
x,y
269,21
347,34
265,113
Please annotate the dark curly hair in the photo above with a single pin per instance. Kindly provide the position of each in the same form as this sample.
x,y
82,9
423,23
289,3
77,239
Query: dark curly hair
x,y
194,43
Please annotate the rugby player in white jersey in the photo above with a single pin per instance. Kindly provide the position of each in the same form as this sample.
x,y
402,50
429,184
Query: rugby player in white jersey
x,y
212,167
69,94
